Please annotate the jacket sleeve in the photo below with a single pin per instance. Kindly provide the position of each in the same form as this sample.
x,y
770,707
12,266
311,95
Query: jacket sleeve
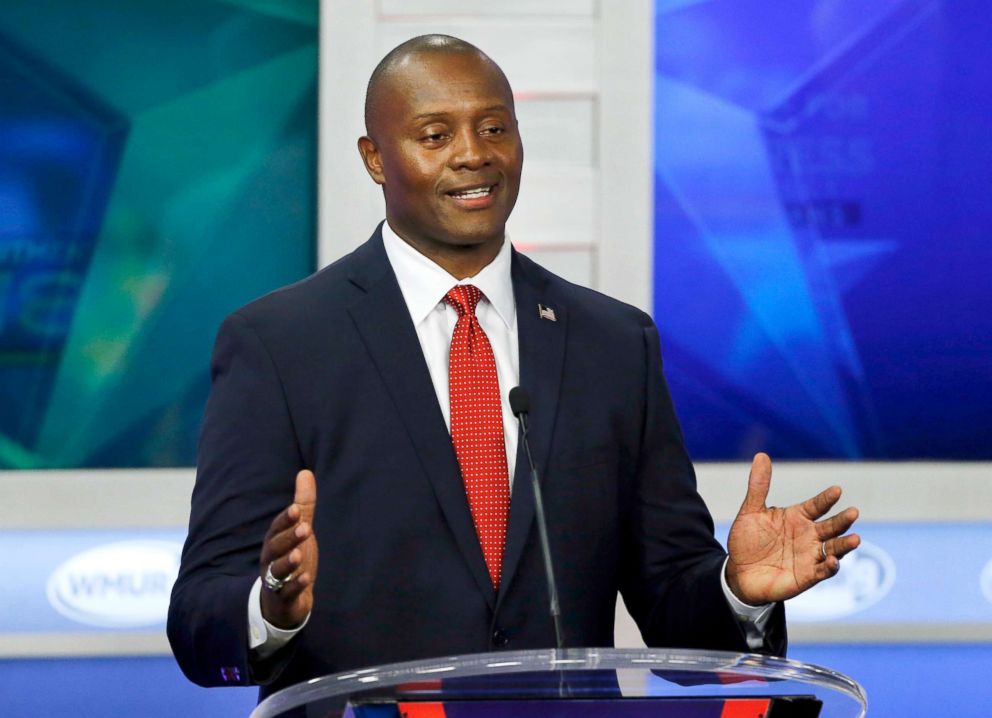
x,y
246,466
671,577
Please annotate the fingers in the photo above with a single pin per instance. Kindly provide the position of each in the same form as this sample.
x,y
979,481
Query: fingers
x,y
292,526
291,589
827,568
285,567
836,525
281,548
836,549
287,519
289,605
820,504
278,546
289,553
306,494
840,546
758,483
833,544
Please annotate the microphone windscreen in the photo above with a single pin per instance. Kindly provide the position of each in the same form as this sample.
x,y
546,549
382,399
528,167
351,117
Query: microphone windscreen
x,y
519,401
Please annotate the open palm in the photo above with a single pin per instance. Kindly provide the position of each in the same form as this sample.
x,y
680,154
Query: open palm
x,y
777,553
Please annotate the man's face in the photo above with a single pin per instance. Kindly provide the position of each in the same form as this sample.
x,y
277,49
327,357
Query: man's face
x,y
444,146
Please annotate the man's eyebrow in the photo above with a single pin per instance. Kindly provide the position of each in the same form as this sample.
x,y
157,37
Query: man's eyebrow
x,y
445,113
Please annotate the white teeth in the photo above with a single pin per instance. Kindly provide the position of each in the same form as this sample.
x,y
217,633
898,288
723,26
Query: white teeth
x,y
473,193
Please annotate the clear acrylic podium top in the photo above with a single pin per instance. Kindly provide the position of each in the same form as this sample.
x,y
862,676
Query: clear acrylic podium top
x,y
578,682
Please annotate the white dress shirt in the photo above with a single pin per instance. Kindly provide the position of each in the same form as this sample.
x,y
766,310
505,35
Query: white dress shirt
x,y
423,285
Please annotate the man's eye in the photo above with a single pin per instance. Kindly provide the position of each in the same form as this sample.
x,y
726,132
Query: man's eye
x,y
493,130
434,137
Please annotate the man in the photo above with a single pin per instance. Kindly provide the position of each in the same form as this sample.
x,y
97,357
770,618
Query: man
x,y
381,384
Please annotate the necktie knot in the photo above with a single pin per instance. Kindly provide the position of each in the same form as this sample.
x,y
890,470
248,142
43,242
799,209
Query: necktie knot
x,y
464,298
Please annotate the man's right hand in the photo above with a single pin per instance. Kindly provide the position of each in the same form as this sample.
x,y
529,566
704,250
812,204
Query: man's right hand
x,y
291,549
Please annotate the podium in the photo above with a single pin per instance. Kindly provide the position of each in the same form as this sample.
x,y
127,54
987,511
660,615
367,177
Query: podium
x,y
578,683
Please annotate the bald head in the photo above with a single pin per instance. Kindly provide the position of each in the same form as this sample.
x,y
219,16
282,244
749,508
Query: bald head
x,y
442,142
389,70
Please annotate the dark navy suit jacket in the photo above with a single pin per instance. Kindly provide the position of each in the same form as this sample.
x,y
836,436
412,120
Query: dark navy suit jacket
x,y
328,374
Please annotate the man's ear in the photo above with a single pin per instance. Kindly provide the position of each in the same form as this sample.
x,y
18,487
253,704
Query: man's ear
x,y
372,159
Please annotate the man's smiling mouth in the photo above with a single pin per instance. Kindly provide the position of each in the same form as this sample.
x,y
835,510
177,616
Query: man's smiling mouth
x,y
473,193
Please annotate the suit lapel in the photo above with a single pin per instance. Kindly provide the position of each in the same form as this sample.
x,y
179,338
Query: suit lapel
x,y
542,353
382,319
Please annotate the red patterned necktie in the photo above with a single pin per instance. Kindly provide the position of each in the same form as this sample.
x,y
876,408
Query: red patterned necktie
x,y
477,427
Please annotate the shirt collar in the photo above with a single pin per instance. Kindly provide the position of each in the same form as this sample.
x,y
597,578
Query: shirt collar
x,y
424,283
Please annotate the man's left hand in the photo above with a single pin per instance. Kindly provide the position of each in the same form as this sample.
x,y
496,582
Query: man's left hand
x,y
778,553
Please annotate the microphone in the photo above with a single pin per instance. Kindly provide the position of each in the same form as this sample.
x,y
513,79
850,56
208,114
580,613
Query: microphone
x,y
520,406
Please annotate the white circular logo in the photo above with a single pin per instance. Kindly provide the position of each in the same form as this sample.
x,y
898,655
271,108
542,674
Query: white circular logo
x,y
986,581
117,585
865,577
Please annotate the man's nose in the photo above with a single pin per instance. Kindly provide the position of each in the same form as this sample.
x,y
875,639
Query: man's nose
x,y
469,150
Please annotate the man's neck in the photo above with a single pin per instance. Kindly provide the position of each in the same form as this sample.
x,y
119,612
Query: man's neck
x,y
458,261
468,263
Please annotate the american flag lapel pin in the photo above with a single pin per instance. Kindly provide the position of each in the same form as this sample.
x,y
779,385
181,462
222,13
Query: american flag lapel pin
x,y
546,313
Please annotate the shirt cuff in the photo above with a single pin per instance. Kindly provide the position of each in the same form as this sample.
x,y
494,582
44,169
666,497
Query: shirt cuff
x,y
754,618
264,638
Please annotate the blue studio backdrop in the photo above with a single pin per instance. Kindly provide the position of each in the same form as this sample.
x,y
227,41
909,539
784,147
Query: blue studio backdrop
x,y
822,226
821,257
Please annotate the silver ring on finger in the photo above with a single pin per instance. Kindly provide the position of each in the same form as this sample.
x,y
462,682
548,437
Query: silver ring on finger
x,y
271,582
823,550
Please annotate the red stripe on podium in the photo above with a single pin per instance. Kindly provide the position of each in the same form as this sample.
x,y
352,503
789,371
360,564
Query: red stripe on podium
x,y
746,708
427,709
